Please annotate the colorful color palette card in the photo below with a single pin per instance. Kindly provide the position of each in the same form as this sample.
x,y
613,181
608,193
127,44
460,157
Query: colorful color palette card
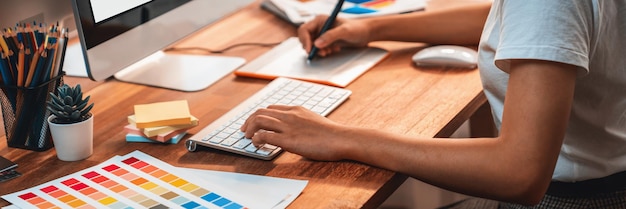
x,y
277,192
300,11
136,180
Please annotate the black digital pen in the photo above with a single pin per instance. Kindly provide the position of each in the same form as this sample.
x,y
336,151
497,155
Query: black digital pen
x,y
329,22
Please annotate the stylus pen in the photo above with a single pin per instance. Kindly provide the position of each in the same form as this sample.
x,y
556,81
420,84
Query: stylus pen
x,y
329,22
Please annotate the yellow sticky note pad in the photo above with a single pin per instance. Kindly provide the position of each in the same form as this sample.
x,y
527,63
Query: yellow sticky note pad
x,y
162,114
157,130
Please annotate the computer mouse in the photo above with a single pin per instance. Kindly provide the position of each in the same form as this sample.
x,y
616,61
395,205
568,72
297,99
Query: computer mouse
x,y
446,56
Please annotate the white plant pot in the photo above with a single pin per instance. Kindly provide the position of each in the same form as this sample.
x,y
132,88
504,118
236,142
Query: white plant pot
x,y
72,141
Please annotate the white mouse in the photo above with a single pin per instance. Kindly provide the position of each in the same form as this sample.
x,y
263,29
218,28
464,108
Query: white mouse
x,y
446,56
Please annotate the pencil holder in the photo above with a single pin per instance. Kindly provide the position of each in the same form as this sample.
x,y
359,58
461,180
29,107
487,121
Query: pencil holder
x,y
25,114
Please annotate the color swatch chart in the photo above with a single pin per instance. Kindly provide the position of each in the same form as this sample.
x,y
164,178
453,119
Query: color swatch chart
x,y
136,180
367,6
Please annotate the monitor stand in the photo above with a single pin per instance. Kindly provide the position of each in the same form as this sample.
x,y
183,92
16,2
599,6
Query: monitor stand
x,y
74,62
182,72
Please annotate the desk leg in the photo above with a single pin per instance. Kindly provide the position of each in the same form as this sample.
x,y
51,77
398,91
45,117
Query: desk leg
x,y
481,122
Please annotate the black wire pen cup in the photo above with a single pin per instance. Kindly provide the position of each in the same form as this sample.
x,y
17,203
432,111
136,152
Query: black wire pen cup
x,y
25,114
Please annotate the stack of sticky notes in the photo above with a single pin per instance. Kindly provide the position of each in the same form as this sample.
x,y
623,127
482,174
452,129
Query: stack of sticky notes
x,y
164,122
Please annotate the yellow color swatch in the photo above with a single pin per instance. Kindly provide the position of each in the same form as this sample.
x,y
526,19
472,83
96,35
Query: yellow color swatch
x,y
189,187
149,185
179,183
162,114
107,201
76,203
169,177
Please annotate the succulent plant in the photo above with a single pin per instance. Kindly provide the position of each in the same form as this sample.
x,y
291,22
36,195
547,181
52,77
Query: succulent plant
x,y
68,105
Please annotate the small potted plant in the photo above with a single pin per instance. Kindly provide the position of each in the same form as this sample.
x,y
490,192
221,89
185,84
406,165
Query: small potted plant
x,y
71,123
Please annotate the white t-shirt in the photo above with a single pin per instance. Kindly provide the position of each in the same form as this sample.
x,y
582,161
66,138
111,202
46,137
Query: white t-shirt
x,y
590,34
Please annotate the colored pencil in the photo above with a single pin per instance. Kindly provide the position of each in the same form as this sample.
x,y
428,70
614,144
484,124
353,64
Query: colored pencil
x,y
33,67
20,67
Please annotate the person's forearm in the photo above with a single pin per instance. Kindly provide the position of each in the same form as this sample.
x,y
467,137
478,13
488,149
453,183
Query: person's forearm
x,y
459,25
483,167
517,166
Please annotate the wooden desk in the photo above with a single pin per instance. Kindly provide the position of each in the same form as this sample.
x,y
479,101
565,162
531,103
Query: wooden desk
x,y
394,96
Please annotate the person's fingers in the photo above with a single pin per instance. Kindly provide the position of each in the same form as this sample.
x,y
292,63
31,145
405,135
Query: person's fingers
x,y
305,38
330,37
262,137
308,31
271,111
265,118
262,122
329,50
280,107
336,48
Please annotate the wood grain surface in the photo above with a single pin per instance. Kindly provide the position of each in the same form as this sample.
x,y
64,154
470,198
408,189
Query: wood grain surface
x,y
394,95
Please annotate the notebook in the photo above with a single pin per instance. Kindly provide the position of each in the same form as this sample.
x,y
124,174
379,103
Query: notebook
x,y
289,60
6,164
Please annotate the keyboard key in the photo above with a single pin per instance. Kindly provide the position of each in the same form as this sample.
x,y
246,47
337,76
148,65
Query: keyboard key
x,y
223,135
250,148
239,134
242,143
269,146
264,151
318,109
216,140
230,141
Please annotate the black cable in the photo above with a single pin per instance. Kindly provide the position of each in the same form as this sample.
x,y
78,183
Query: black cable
x,y
221,50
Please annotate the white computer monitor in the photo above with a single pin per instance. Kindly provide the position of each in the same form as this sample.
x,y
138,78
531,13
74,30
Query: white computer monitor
x,y
125,38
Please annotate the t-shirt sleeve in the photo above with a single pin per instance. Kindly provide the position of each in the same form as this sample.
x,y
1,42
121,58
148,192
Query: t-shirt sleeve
x,y
559,31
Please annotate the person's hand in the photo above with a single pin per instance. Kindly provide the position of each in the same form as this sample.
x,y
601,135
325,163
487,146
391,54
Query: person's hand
x,y
296,130
343,33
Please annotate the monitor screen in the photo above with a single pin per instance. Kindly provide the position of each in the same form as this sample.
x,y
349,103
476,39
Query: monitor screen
x,y
102,20
125,38
103,10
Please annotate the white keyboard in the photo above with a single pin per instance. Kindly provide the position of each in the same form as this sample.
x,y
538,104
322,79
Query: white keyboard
x,y
224,133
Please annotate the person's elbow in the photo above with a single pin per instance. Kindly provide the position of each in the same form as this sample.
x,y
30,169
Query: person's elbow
x,y
528,187
529,195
